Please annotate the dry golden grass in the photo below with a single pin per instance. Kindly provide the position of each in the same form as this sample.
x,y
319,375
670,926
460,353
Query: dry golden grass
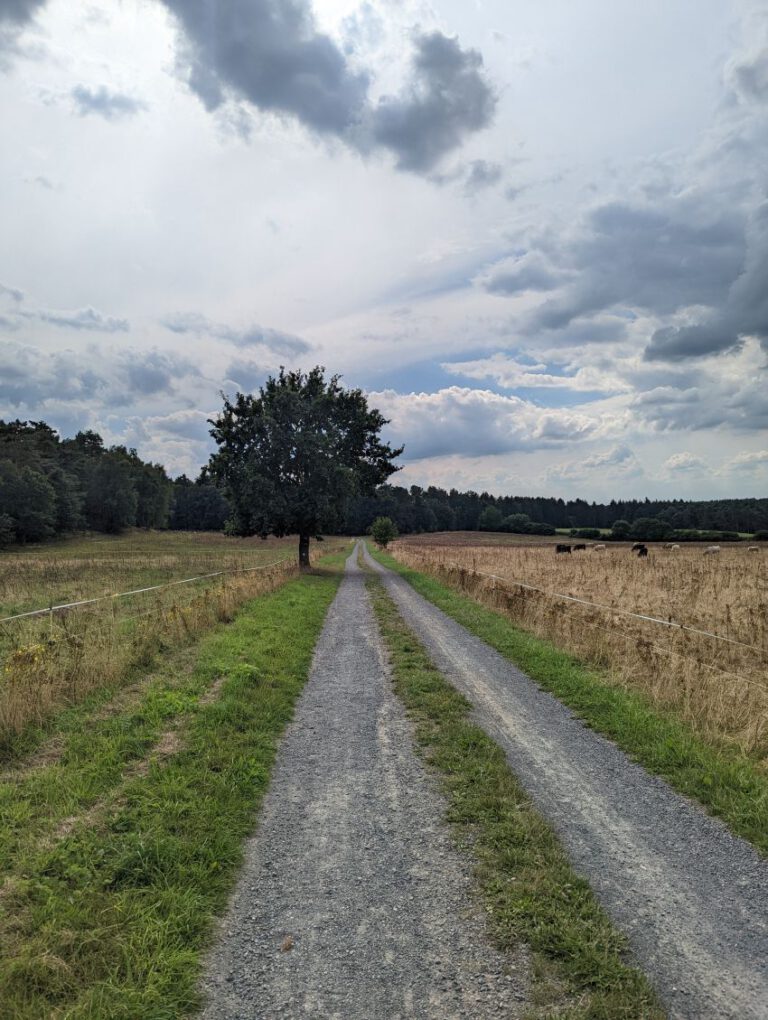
x,y
720,687
50,661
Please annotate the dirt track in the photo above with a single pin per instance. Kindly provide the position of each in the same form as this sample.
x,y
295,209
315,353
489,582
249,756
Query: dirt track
x,y
692,898
353,902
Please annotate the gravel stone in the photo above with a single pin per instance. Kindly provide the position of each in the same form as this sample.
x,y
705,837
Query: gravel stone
x,y
354,901
691,897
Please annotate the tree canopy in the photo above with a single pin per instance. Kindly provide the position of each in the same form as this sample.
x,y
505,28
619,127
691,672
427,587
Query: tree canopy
x,y
291,458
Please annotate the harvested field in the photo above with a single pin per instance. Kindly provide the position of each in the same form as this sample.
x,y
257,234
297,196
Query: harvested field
x,y
717,681
54,659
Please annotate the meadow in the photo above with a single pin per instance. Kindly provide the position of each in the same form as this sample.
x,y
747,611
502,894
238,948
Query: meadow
x,y
712,671
55,659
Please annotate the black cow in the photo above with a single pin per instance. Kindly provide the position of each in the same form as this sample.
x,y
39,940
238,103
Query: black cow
x,y
577,548
642,551
562,548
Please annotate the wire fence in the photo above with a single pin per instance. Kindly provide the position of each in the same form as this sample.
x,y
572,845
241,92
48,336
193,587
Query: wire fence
x,y
599,605
61,607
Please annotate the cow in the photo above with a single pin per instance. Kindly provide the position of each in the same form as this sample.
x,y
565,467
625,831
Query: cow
x,y
637,545
578,548
674,546
711,550
753,548
598,547
559,548
642,551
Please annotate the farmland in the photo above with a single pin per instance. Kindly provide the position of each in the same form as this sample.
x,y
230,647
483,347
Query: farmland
x,y
56,659
715,681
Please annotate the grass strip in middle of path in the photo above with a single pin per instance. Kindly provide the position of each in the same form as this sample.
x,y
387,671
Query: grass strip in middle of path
x,y
531,892
112,919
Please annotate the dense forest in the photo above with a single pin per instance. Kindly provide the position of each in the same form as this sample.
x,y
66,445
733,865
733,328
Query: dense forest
x,y
51,486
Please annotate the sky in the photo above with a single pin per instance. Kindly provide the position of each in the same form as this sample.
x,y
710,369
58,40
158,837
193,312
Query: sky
x,y
535,232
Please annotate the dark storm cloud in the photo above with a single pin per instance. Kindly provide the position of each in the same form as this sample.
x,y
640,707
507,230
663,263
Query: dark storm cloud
x,y
270,53
102,102
447,99
250,336
743,313
657,258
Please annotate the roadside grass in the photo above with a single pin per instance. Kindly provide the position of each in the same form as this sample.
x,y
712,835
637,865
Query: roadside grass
x,y
120,853
720,776
530,890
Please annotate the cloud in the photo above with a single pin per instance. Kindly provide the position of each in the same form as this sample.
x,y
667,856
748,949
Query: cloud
x,y
617,462
684,463
473,423
15,15
657,258
250,336
82,319
755,461
531,271
270,53
147,373
743,313
506,371
447,99
102,102
11,292
482,175
31,377
246,376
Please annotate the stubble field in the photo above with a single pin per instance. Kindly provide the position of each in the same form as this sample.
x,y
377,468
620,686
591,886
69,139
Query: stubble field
x,y
710,666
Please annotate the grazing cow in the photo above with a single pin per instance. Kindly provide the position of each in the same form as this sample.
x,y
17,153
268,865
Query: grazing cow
x,y
578,548
562,548
642,551
674,547
637,545
711,550
753,548
599,546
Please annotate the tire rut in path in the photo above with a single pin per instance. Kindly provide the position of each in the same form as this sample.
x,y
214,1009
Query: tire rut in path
x,y
353,901
692,898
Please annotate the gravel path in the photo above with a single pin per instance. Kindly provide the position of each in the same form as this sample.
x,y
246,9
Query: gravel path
x,y
692,898
353,867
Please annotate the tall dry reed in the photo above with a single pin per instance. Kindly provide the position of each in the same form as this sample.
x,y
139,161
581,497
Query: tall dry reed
x,y
720,687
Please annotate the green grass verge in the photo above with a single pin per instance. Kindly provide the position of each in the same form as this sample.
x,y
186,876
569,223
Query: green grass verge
x,y
722,778
530,889
111,919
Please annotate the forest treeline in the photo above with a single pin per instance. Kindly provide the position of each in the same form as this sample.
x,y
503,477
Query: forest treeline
x,y
51,486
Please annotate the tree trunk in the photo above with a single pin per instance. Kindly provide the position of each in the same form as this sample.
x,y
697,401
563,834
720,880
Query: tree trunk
x,y
304,552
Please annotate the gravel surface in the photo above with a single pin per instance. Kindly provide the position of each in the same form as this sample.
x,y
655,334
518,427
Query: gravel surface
x,y
354,902
692,898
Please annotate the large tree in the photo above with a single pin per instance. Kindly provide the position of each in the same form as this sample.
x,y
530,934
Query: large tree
x,y
291,458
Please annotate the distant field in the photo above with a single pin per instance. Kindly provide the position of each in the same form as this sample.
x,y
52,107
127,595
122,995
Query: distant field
x,y
55,659
78,568
719,684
